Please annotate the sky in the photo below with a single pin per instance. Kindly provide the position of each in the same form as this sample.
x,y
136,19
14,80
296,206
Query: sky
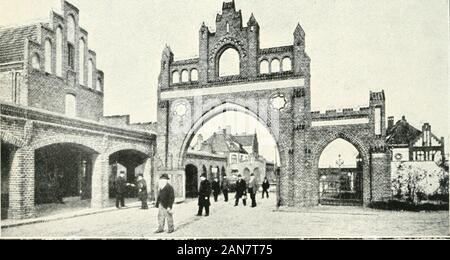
x,y
399,46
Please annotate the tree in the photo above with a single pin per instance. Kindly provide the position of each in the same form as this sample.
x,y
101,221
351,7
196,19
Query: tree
x,y
408,181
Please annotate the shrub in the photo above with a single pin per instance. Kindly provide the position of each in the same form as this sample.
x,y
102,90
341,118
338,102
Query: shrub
x,y
397,205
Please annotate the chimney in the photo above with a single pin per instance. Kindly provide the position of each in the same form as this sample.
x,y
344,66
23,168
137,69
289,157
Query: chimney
x,y
426,127
390,122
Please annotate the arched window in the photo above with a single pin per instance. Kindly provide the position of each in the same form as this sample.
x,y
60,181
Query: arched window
x,y
228,27
287,64
71,29
229,63
275,66
175,77
71,105
59,52
48,56
35,62
184,76
90,73
81,54
71,55
264,67
98,86
194,75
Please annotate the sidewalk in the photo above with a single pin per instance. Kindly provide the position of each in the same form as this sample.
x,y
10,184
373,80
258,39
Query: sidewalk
x,y
8,223
111,223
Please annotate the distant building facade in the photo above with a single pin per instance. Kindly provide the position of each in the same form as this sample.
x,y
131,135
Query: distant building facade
x,y
417,154
407,143
240,151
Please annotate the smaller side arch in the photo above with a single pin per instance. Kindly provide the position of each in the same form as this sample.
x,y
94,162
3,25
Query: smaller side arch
x,y
65,139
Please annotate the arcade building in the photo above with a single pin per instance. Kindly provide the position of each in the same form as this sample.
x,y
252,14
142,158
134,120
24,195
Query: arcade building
x,y
56,144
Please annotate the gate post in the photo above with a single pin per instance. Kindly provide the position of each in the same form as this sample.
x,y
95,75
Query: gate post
x,y
381,176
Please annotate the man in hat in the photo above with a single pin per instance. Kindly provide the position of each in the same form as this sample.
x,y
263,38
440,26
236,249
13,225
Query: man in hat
x,y
265,187
241,191
216,188
121,188
203,196
225,187
164,202
252,189
142,191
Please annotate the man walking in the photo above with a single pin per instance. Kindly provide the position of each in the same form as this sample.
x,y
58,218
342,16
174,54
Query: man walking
x,y
252,189
164,202
142,191
225,187
203,196
241,191
121,188
216,188
265,187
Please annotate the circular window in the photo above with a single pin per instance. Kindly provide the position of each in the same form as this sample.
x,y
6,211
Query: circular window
x,y
180,110
278,102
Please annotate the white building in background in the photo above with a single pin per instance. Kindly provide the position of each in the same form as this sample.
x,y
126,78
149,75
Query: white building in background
x,y
415,152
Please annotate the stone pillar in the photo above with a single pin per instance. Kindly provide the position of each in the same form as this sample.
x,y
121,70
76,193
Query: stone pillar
x,y
381,177
148,169
100,181
21,184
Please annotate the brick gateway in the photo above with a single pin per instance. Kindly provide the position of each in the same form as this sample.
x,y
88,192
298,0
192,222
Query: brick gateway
x,y
274,86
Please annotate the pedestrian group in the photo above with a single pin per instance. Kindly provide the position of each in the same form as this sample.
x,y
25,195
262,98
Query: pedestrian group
x,y
166,195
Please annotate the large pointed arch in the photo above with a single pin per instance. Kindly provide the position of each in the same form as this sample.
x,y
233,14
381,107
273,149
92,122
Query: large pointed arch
x,y
214,111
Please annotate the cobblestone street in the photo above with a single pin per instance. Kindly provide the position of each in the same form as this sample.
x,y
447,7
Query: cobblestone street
x,y
244,222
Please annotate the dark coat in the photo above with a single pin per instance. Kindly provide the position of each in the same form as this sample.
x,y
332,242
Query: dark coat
x,y
266,185
204,193
241,188
142,189
166,197
225,185
216,187
252,186
120,185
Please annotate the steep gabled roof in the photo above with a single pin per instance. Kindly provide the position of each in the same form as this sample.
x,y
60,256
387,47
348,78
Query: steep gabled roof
x,y
223,143
12,42
402,133
245,140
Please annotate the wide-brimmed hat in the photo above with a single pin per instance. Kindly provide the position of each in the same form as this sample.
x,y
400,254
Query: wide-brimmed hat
x,y
164,177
